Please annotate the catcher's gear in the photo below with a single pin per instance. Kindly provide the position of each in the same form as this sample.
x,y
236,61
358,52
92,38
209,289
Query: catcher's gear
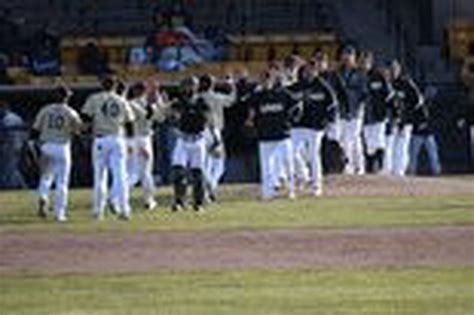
x,y
30,162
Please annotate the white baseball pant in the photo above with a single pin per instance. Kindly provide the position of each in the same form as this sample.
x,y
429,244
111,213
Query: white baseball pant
x,y
401,153
352,146
268,151
429,143
56,168
280,173
374,136
215,165
143,168
132,172
389,154
190,152
334,130
300,138
110,153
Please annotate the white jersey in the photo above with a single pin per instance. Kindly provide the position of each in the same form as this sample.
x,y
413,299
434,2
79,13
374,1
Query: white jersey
x,y
217,102
109,113
143,125
57,123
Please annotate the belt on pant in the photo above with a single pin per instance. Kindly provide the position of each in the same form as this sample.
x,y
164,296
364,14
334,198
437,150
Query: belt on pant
x,y
102,136
191,137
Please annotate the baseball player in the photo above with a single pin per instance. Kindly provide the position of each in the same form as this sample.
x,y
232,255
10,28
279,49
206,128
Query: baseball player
x,y
407,98
272,111
423,134
352,111
54,127
376,112
191,115
148,109
121,89
333,153
215,161
289,73
111,120
319,108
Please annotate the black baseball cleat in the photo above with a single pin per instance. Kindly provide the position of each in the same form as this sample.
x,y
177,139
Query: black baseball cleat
x,y
212,196
177,207
42,208
112,208
124,217
151,205
198,208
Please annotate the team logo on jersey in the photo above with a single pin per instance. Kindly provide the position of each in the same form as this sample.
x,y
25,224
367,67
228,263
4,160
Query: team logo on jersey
x,y
272,108
317,97
401,94
377,85
297,95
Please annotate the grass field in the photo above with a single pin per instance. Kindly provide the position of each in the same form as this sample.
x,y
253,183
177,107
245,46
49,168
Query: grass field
x,y
336,290
17,213
413,291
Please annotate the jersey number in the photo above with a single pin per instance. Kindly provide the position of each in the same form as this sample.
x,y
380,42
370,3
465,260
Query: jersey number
x,y
111,110
56,122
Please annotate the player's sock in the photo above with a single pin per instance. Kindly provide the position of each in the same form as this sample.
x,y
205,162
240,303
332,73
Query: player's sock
x,y
379,160
179,181
198,187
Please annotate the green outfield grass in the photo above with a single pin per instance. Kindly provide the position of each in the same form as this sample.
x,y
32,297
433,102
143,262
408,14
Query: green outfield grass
x,y
317,291
412,291
17,212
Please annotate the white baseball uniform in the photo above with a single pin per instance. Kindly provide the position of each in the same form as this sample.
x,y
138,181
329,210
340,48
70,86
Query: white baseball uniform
x,y
109,113
56,124
215,161
401,149
142,157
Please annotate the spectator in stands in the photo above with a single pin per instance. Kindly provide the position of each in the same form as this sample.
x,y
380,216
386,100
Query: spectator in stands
x,y
179,15
92,61
138,56
172,44
4,78
44,52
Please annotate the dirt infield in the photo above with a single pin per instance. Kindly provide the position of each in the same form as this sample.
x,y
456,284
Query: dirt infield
x,y
117,252
307,248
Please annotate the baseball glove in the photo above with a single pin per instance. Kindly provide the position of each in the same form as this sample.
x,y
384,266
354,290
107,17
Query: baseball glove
x,y
30,162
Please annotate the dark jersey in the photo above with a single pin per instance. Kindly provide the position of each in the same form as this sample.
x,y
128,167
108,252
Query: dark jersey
x,y
335,82
379,92
238,137
423,120
319,104
407,98
192,115
274,111
355,90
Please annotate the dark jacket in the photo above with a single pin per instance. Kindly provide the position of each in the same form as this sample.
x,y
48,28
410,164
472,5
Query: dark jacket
x,y
379,93
407,98
355,93
319,104
274,111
